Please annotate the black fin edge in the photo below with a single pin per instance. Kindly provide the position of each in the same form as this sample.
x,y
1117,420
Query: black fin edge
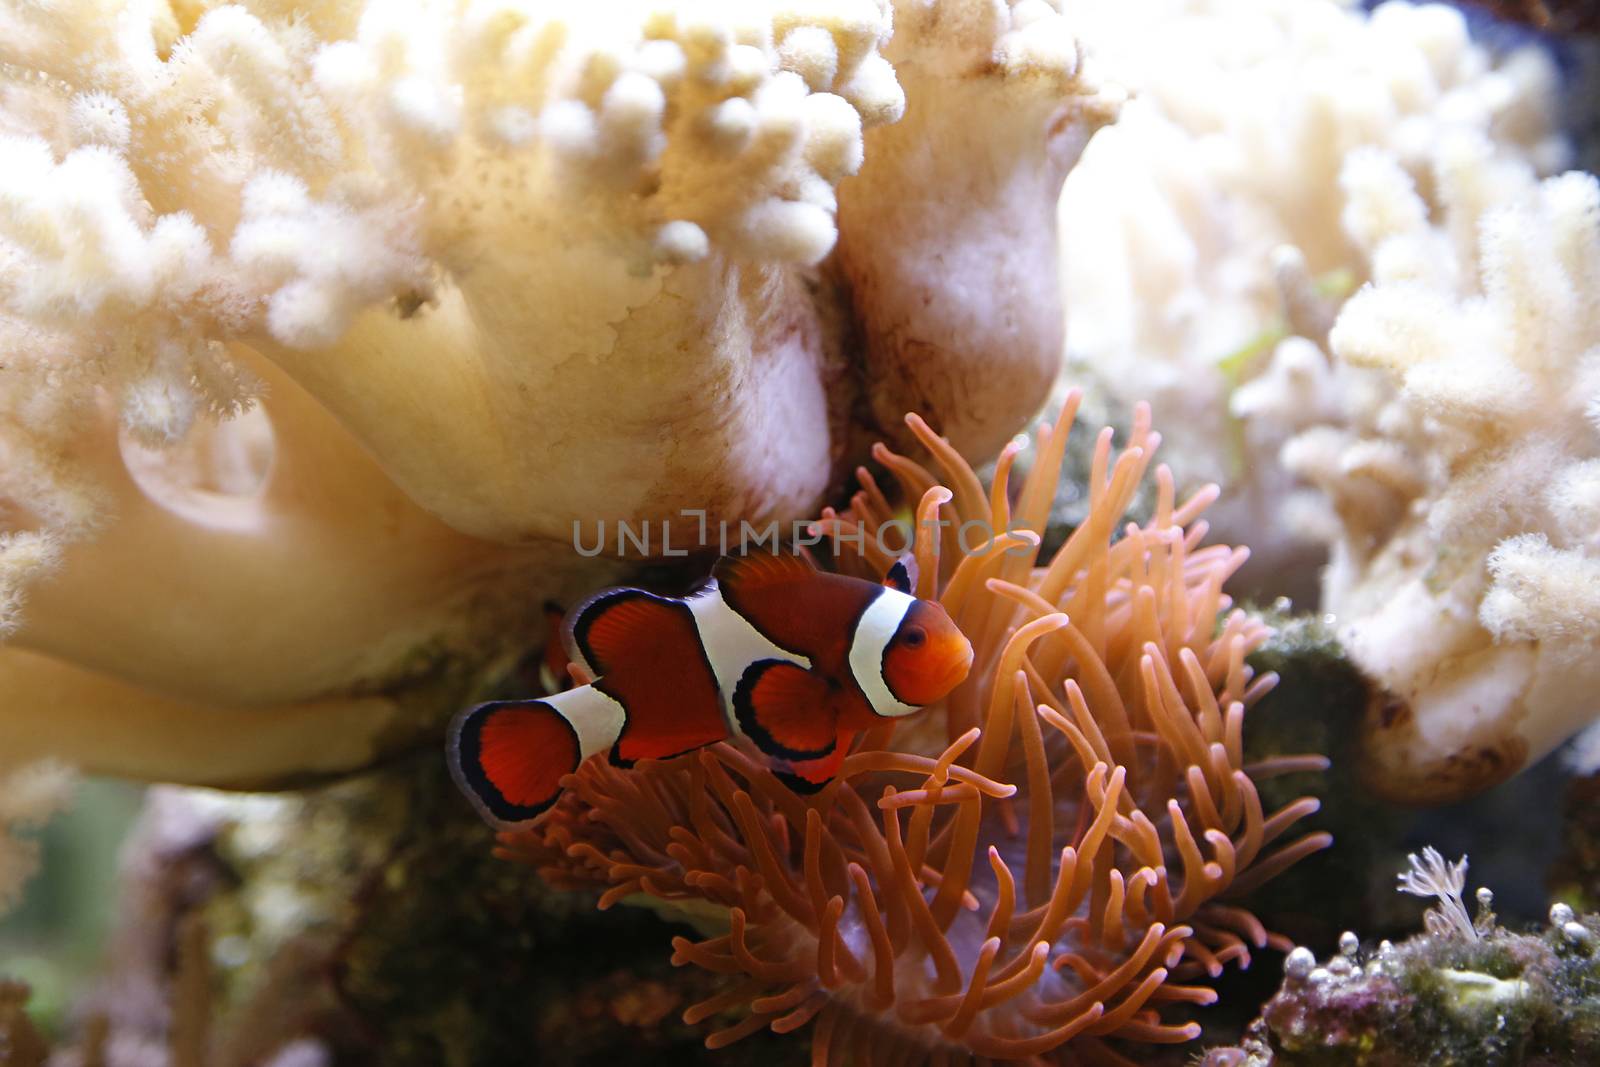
x,y
744,711
466,765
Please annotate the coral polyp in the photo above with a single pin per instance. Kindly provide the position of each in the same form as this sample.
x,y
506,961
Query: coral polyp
x,y
1035,866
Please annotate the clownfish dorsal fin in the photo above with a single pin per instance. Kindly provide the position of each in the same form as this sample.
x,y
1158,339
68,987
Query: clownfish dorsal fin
x,y
644,653
600,630
903,574
752,571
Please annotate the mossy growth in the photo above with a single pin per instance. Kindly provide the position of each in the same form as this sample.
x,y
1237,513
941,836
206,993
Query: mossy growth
x,y
1315,708
458,958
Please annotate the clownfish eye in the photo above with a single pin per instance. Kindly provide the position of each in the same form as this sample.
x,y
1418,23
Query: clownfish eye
x,y
914,636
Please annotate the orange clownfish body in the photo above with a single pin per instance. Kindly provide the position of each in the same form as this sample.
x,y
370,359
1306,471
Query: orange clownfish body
x,y
796,659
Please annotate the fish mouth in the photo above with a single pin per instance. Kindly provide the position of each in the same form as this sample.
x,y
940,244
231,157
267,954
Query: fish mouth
x,y
959,669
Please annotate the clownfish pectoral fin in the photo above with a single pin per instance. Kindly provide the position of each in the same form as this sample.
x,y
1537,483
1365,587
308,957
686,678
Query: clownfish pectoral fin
x,y
811,776
903,574
785,710
509,757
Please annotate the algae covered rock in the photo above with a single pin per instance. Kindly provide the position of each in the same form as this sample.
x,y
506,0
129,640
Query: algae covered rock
x,y
1467,993
369,922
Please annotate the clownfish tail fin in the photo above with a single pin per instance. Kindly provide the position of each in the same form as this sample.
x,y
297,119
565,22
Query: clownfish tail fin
x,y
509,756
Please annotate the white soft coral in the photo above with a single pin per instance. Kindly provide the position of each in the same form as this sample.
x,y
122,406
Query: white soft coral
x,y
1472,595
1435,426
1204,227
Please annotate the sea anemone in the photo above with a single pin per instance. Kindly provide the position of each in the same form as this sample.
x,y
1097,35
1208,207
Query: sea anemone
x,y
922,908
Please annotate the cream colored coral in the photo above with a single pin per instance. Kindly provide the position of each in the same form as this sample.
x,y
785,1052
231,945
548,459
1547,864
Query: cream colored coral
x,y
1466,575
1205,227
966,163
1432,427
490,269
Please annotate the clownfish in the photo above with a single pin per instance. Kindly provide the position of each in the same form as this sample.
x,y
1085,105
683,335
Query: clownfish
x,y
796,659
